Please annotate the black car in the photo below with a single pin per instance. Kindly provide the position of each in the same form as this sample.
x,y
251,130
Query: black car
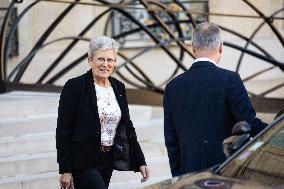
x,y
259,163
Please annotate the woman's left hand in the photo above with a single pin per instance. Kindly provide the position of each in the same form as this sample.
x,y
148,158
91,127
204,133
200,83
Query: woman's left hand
x,y
145,173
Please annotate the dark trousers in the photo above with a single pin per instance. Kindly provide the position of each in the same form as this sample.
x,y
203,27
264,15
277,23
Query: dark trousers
x,y
95,178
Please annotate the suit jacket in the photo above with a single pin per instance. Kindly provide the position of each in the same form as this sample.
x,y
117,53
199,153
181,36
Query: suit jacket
x,y
200,108
78,132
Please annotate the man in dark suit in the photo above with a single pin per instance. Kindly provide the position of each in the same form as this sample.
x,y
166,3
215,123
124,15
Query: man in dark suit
x,y
201,106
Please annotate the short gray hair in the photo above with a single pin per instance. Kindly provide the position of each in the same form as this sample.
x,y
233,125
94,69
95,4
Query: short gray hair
x,y
206,36
102,43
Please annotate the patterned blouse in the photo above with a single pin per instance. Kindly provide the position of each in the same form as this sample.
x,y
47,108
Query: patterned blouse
x,y
109,113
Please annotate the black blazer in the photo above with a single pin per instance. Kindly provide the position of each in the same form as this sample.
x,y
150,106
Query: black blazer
x,y
78,132
200,108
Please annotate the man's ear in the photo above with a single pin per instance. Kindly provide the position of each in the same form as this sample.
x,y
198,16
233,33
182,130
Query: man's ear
x,y
193,50
221,48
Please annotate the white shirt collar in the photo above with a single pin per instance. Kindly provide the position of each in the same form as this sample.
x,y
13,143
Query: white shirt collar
x,y
205,59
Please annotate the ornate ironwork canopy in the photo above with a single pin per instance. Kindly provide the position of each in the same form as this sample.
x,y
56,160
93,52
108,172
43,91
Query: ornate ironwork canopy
x,y
142,24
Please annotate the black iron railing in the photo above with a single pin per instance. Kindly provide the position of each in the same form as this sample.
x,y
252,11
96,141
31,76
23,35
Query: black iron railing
x,y
160,24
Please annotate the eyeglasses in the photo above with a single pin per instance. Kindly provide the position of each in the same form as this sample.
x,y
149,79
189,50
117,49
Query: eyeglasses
x,y
102,60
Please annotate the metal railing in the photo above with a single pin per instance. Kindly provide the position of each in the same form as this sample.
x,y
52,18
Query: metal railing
x,y
163,16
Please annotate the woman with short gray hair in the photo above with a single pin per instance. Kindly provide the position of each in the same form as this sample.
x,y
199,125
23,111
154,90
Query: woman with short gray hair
x,y
94,133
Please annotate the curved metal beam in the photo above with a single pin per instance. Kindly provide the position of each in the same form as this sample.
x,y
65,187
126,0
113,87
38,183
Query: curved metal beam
x,y
148,32
11,35
3,45
70,46
252,36
257,55
42,39
267,21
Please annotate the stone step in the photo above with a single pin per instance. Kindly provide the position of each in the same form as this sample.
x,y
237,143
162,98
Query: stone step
x,y
25,164
26,104
29,125
29,104
140,113
136,184
47,123
27,144
49,180
159,170
45,142
159,166
151,130
46,162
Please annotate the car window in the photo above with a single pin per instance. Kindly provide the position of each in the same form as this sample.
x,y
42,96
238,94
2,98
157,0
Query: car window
x,y
262,160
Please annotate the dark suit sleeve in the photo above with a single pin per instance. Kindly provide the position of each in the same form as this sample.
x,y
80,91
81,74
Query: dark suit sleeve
x,y
66,118
138,153
171,138
240,105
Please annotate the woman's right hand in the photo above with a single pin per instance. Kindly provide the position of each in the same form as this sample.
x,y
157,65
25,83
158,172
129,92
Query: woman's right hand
x,y
145,173
66,181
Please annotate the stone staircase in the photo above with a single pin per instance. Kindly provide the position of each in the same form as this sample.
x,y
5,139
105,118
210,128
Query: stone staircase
x,y
27,143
